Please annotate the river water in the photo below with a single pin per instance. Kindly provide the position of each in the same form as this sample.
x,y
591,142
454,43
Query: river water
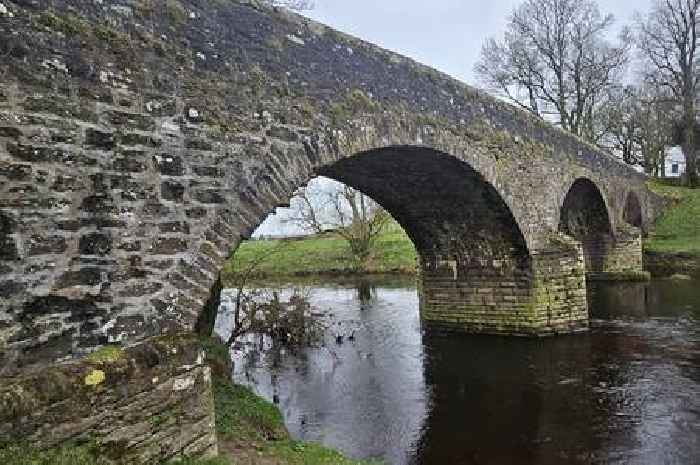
x,y
627,392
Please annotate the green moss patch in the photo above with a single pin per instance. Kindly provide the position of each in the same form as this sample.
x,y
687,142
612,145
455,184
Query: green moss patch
x,y
68,455
356,103
107,354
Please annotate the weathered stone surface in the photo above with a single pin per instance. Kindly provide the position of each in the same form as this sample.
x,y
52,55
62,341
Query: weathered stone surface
x,y
15,172
169,165
43,245
168,246
8,248
173,191
209,196
95,244
146,404
99,139
124,157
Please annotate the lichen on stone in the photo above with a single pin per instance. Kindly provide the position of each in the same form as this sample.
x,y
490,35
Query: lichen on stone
x,y
95,378
108,354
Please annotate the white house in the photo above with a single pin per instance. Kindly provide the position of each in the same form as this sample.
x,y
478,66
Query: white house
x,y
675,162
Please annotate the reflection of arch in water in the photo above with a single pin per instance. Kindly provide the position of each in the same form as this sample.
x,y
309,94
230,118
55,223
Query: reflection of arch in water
x,y
502,402
365,291
609,300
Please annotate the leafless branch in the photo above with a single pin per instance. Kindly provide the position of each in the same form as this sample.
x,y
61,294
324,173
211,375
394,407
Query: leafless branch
x,y
346,212
554,60
668,40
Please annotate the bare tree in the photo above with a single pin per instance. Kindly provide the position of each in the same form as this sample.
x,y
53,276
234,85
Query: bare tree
x,y
259,311
655,118
620,123
668,39
636,123
246,300
555,62
346,212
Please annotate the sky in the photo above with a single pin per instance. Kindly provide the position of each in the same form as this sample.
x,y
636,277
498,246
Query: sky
x,y
444,34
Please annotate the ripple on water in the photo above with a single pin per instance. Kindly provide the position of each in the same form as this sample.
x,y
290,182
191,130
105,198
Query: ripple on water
x,y
627,392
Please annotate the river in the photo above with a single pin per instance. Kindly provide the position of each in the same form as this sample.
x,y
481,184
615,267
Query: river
x,y
627,392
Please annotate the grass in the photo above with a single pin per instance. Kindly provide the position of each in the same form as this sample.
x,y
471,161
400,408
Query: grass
x,y
251,430
243,416
678,230
323,254
68,455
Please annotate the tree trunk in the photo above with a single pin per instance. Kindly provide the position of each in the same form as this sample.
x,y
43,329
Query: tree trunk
x,y
691,171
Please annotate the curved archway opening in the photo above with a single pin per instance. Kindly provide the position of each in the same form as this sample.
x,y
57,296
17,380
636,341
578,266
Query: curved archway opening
x,y
633,211
475,270
584,216
447,208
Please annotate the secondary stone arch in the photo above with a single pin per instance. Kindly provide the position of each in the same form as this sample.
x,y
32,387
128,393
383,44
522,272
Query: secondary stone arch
x,y
632,212
584,216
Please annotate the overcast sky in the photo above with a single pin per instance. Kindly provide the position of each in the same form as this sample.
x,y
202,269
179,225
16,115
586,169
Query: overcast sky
x,y
445,34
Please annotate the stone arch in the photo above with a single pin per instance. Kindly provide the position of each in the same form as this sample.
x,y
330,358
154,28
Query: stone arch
x,y
632,212
474,259
584,216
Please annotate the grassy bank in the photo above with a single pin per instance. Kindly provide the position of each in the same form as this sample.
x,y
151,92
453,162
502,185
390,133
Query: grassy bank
x,y
678,230
324,254
251,432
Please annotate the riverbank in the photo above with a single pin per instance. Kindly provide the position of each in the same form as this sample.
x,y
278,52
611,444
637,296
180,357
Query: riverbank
x,y
324,254
673,247
250,431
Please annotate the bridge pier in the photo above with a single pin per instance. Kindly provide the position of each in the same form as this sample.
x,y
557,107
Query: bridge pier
x,y
539,296
616,258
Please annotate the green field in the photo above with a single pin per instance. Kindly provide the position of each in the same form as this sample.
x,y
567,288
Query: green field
x,y
325,254
678,230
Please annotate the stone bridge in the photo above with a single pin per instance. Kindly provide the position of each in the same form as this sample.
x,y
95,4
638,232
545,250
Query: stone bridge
x,y
142,140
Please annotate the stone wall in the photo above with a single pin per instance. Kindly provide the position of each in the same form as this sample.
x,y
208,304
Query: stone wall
x,y
560,290
621,257
488,298
144,404
540,295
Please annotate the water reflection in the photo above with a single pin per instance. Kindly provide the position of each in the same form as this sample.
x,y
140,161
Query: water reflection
x,y
627,392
